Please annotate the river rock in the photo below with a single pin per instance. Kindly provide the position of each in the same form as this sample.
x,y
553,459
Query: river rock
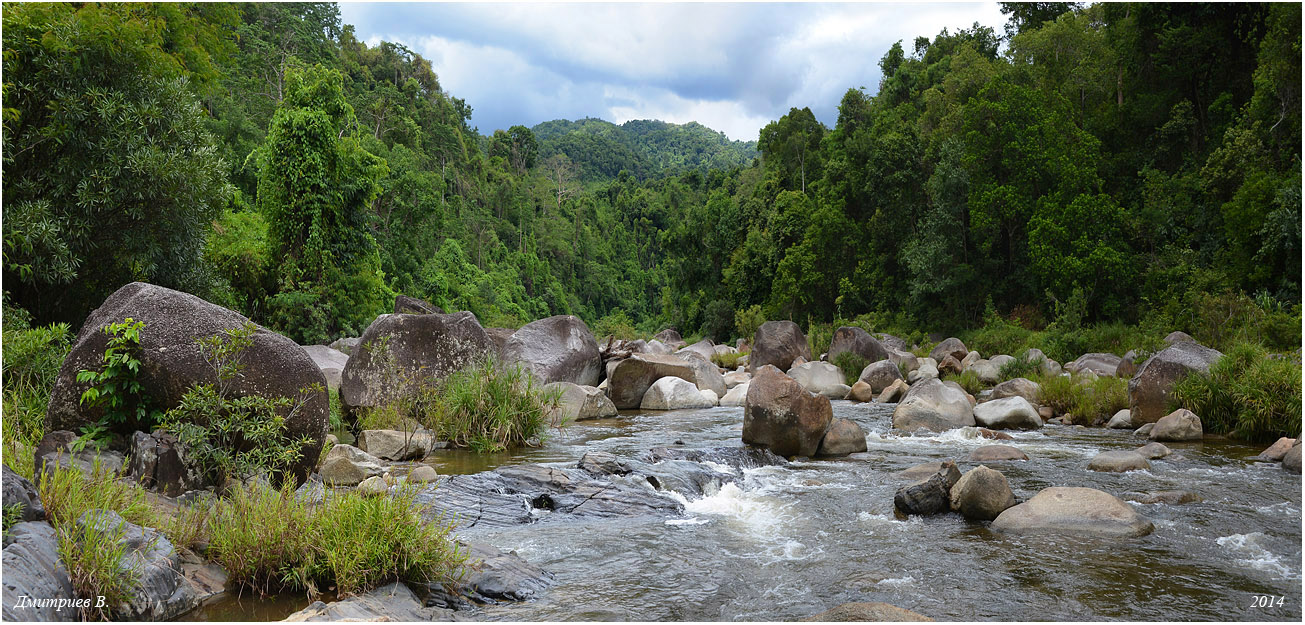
x,y
373,486
706,375
894,393
704,348
880,375
578,403
630,378
866,612
1148,390
843,438
891,342
330,361
32,568
951,346
994,435
934,406
926,371
1067,510
857,341
736,396
783,417
393,602
344,345
1167,497
996,453
669,337
1103,365
55,451
396,445
921,471
1153,451
161,591
1118,462
1291,460
405,305
1009,413
1123,420
1178,426
820,378
172,362
346,465
1127,365
861,392
422,474
556,349
503,575
672,393
1145,430
1274,453
420,346
20,492
735,378
1017,387
601,463
1178,336
159,463
970,359
981,494
949,364
778,343
931,495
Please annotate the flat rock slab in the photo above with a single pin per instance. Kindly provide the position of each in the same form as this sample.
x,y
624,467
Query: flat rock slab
x,y
503,575
392,602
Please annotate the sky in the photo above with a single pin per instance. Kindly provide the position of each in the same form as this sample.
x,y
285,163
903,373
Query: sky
x,y
731,67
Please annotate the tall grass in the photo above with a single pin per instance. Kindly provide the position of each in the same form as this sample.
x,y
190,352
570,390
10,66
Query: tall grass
x,y
968,380
93,558
728,360
1021,367
1084,404
1247,395
32,357
261,536
488,407
851,364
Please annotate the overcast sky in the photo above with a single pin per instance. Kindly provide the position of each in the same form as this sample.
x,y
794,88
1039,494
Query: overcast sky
x,y
731,67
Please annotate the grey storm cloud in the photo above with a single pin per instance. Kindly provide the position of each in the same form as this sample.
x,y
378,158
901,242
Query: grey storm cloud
x,y
732,67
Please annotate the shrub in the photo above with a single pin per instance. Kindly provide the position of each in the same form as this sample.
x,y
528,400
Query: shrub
x,y
851,364
1021,367
1247,394
1085,404
999,336
360,542
188,527
617,324
718,320
32,357
114,388
67,493
238,437
968,380
728,360
13,513
747,321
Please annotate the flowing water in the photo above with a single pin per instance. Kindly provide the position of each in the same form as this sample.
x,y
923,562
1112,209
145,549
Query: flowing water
x,y
786,542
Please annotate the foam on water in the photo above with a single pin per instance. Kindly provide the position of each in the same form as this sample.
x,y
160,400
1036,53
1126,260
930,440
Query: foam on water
x,y
1254,555
689,521
897,581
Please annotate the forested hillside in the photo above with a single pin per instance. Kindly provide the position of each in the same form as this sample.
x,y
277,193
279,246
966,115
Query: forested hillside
x,y
1135,163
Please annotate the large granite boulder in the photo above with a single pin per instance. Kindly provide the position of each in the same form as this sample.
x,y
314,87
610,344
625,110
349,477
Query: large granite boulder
x,y
670,337
1008,413
906,361
405,305
782,416
1178,426
778,343
1018,387
821,378
949,347
577,403
1067,510
934,406
857,341
32,569
672,393
630,378
420,347
707,376
1291,460
556,349
330,361
1104,365
880,375
172,362
981,494
844,437
1149,388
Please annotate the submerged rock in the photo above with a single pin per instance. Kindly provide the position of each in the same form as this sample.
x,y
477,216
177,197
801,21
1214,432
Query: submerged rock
x,y
1167,497
996,453
1118,462
1063,510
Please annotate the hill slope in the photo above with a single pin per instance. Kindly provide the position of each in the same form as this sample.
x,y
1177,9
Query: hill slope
x,y
645,148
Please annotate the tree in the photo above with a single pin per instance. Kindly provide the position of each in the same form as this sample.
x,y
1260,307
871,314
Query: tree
x,y
792,145
1025,16
109,173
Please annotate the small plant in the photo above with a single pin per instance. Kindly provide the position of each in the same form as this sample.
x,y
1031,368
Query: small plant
x,y
968,380
851,364
1085,404
94,562
115,388
728,360
747,321
13,513
32,358
1021,367
238,437
67,493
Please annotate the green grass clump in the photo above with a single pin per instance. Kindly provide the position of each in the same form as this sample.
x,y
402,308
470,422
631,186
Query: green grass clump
x,y
968,380
1021,367
270,540
488,407
728,360
851,364
1085,404
94,559
1247,395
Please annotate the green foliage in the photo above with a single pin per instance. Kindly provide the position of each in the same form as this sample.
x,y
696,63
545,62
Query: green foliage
x,y
728,360
1084,403
718,320
115,389
1247,394
188,527
93,558
747,320
968,380
616,324
487,406
240,252
1021,367
851,364
235,437
32,357
268,540
13,513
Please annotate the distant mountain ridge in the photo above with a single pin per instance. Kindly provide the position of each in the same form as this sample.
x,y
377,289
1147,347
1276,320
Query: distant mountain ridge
x,y
645,148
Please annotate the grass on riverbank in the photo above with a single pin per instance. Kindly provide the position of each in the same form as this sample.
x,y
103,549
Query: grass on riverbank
x,y
1083,403
1247,395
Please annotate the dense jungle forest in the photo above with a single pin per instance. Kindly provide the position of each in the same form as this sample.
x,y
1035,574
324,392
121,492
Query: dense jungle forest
x,y
1121,164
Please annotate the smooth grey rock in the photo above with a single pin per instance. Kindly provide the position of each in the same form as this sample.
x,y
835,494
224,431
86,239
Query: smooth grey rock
x,y
1008,413
843,438
1145,430
556,349
1149,388
820,378
1178,426
1118,462
1103,365
736,396
330,361
395,444
579,403
672,393
981,494
346,465
18,491
1153,451
392,602
894,393
949,347
880,375
933,405
1017,387
1065,510
778,343
161,593
1274,453
631,377
1291,460
373,486
1123,420
32,568
503,576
